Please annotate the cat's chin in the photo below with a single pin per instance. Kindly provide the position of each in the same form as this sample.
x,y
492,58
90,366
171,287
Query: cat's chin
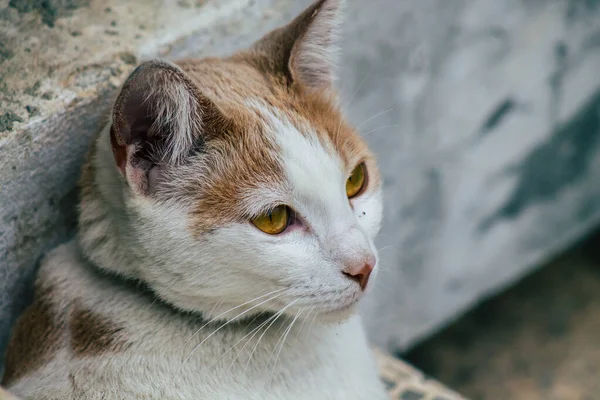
x,y
338,315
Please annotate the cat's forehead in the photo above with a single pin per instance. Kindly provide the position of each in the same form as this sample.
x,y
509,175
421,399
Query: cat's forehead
x,y
257,97
227,81
284,146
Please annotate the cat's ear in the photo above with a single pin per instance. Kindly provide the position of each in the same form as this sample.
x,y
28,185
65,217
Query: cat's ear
x,y
307,49
157,119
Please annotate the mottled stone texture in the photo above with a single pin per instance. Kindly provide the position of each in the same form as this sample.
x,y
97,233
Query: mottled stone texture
x,y
486,119
484,113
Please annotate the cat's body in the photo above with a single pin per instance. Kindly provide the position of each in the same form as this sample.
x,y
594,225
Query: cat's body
x,y
118,343
225,237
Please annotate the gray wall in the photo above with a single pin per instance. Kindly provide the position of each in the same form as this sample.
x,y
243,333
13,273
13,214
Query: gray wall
x,y
489,139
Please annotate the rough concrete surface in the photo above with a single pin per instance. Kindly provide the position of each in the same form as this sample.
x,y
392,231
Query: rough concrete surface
x,y
484,114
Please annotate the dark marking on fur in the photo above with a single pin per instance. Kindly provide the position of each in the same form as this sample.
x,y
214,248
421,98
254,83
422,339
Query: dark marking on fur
x,y
97,242
86,223
93,334
17,299
35,339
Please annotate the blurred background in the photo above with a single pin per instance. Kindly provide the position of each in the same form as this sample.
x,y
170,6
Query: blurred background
x,y
485,116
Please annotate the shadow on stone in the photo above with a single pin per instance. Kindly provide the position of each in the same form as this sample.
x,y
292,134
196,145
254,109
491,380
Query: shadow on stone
x,y
554,165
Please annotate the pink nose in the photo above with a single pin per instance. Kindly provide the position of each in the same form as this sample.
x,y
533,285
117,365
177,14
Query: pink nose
x,y
361,274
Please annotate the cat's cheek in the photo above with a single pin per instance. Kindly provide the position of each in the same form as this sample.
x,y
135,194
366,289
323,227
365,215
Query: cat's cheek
x,y
368,212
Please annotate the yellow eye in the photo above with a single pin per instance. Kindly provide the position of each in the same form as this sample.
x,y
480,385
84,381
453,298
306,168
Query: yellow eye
x,y
274,221
356,181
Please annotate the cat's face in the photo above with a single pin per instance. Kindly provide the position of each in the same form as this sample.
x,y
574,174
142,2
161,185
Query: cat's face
x,y
245,187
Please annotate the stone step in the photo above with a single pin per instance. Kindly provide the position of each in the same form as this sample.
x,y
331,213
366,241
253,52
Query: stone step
x,y
404,382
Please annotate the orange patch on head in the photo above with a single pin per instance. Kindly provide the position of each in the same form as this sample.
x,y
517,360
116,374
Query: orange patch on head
x,y
243,77
242,156
241,161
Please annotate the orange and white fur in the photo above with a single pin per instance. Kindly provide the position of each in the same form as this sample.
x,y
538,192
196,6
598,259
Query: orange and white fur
x,y
226,231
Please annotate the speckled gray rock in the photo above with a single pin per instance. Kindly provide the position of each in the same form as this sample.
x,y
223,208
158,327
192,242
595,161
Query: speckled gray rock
x,y
484,114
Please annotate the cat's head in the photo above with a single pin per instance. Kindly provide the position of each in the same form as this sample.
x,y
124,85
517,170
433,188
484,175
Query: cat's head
x,y
237,182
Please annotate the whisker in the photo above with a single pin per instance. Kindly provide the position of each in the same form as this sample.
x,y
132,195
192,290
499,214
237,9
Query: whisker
x,y
231,309
380,285
279,313
280,338
359,87
385,248
217,304
381,127
283,323
227,323
375,116
250,339
313,320
255,331
285,335
352,99
304,320
156,297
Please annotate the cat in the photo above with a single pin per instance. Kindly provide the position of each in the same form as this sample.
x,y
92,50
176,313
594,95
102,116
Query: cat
x,y
226,226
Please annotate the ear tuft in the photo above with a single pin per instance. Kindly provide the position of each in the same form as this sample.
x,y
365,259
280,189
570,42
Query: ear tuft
x,y
159,112
315,54
159,117
306,50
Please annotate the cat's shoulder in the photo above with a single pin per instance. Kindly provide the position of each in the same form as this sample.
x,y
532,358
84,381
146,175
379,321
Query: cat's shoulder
x,y
38,334
65,321
66,276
